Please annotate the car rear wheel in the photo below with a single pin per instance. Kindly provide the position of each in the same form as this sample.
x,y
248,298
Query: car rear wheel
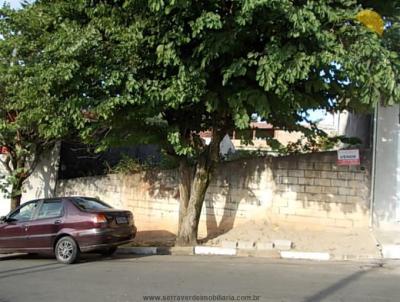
x,y
67,250
109,252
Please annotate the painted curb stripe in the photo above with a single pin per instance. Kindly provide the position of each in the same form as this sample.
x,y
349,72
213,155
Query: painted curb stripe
x,y
305,256
207,250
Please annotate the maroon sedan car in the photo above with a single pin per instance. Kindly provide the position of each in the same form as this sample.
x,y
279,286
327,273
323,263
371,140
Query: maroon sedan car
x,y
66,227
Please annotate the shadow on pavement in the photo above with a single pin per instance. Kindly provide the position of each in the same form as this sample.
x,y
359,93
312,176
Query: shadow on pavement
x,y
323,294
31,269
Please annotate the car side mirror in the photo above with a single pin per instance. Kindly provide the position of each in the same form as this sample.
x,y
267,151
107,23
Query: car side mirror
x,y
3,219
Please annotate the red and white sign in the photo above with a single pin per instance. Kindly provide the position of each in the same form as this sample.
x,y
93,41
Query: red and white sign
x,y
348,157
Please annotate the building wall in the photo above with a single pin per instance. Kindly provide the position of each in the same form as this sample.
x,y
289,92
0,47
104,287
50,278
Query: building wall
x,y
347,124
40,184
344,123
355,125
4,201
387,179
307,190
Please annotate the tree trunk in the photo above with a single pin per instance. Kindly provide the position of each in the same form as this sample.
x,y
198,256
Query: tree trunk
x,y
16,193
191,202
15,201
185,179
16,190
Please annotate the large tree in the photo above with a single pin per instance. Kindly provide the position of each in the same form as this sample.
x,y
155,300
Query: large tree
x,y
163,71
30,118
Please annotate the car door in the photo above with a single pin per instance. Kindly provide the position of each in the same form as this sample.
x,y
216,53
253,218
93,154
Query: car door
x,y
43,229
13,230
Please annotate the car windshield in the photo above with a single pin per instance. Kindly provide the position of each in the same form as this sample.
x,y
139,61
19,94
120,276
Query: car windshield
x,y
87,203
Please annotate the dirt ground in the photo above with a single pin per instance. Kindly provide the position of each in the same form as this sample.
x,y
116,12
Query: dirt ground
x,y
341,243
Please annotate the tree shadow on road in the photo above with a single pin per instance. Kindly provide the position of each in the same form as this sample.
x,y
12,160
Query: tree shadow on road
x,y
86,259
329,291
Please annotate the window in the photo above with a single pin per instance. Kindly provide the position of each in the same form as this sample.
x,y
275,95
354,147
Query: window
x,y
50,209
25,213
87,203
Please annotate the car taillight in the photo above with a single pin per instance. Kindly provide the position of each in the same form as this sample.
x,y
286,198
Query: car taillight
x,y
100,218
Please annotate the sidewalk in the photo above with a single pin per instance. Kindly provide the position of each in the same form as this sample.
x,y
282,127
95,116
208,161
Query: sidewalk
x,y
270,240
389,241
340,243
275,241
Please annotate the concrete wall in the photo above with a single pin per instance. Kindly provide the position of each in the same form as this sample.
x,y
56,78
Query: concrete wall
x,y
40,184
4,201
307,189
387,180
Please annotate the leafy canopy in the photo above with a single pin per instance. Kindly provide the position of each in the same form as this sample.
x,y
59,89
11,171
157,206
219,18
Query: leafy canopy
x,y
30,118
162,71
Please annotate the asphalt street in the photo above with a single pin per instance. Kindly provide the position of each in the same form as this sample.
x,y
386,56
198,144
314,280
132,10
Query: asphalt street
x,y
196,278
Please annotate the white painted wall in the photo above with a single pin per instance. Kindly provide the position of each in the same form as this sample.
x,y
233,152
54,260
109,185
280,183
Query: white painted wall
x,y
387,179
40,184
4,202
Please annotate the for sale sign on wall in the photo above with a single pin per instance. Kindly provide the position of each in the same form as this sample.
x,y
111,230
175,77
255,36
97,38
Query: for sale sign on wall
x,y
348,157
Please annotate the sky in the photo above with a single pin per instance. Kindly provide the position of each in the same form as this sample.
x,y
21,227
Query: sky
x,y
14,3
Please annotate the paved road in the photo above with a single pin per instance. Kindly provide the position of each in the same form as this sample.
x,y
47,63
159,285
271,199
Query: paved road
x,y
131,278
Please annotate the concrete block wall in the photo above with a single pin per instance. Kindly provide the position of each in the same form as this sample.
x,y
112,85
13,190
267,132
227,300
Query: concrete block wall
x,y
304,189
312,189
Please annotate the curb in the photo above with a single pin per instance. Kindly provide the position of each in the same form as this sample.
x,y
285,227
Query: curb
x,y
156,250
138,250
210,250
273,254
391,251
220,251
305,256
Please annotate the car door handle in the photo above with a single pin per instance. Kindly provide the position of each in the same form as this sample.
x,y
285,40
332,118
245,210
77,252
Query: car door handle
x,y
57,221
25,227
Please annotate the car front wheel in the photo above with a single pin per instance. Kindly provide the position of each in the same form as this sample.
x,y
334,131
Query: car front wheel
x,y
67,250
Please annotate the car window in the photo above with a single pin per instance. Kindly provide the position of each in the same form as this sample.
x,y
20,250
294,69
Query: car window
x,y
87,203
50,209
25,213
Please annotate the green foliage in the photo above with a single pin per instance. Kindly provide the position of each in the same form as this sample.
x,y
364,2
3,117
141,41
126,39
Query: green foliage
x,y
162,71
318,143
247,154
30,115
137,71
127,165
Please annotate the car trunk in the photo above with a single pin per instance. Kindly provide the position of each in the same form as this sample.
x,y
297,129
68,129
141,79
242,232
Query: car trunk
x,y
115,218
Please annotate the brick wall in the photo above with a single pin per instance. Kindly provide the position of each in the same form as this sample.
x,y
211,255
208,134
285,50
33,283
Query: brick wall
x,y
304,189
